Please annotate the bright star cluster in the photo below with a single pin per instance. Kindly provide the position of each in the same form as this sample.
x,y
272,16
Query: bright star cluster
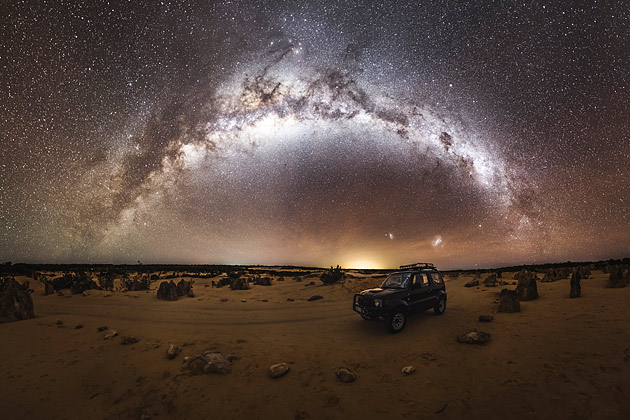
x,y
314,133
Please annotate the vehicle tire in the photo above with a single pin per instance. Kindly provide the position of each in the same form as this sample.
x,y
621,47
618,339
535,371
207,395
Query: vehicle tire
x,y
440,307
396,321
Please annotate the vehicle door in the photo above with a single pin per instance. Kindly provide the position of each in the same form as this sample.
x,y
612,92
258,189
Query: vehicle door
x,y
422,293
437,285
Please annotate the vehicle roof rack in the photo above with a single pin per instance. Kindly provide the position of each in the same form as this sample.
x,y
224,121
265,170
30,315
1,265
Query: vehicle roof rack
x,y
417,265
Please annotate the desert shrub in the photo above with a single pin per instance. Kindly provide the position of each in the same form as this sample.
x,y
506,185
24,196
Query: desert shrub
x,y
331,276
80,282
106,280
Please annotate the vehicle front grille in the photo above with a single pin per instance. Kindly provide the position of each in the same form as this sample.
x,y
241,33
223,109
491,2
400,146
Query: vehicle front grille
x,y
365,302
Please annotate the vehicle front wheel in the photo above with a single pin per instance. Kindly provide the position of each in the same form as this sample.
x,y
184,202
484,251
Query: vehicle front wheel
x,y
396,321
440,307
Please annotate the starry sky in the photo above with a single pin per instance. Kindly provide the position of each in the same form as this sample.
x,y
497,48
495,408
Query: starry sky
x,y
362,133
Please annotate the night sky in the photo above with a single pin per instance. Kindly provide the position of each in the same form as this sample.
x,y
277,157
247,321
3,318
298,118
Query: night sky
x,y
366,134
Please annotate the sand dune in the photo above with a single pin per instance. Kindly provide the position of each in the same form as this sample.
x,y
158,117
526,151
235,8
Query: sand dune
x,y
558,358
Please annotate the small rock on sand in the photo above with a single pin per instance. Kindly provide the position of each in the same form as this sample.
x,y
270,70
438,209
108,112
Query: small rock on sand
x,y
208,362
316,297
346,375
129,340
110,334
474,336
485,318
290,299
472,283
103,328
172,351
278,370
408,370
59,322
78,326
224,300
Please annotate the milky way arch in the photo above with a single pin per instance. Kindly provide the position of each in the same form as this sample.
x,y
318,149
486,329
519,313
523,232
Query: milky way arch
x,y
281,97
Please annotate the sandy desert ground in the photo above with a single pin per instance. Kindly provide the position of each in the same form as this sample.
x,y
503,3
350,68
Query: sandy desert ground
x,y
559,358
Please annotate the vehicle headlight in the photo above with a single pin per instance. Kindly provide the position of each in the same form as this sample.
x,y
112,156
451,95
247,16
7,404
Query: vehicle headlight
x,y
378,303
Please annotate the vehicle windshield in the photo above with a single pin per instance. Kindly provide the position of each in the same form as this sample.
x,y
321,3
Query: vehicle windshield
x,y
396,281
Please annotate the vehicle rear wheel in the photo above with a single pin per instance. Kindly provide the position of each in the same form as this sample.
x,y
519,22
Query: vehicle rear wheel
x,y
440,307
396,321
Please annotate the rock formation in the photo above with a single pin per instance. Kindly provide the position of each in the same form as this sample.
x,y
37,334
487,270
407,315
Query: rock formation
x,y
526,288
167,291
15,301
618,277
490,281
576,290
508,301
184,288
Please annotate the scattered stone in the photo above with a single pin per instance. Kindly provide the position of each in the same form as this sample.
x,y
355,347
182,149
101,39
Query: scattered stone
x,y
485,318
167,291
315,297
172,351
224,300
103,328
278,370
49,289
107,295
508,301
208,362
16,303
298,279
280,278
474,336
472,283
243,301
576,290
310,284
129,340
110,334
300,415
78,326
265,300
442,409
346,375
59,322
408,370
527,289
290,299
262,281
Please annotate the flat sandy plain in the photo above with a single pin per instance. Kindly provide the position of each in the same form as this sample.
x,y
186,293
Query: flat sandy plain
x,y
559,358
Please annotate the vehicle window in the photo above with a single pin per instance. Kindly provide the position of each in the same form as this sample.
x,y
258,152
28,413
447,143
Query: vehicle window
x,y
437,278
422,279
397,280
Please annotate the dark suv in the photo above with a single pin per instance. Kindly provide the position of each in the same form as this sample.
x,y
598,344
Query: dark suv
x,y
415,288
